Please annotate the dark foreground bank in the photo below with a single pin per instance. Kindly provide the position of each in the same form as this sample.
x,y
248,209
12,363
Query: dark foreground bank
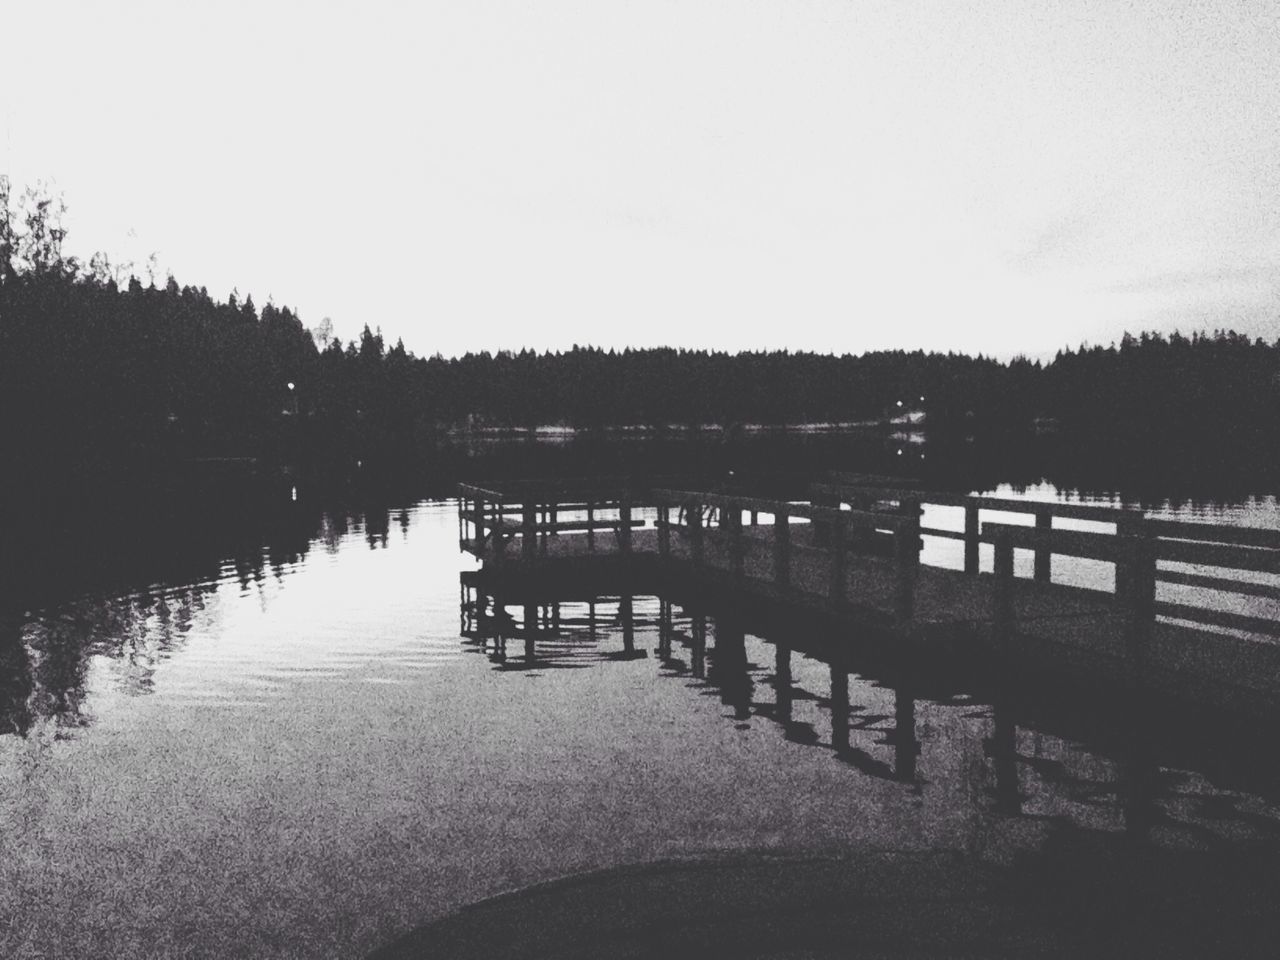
x,y
1099,902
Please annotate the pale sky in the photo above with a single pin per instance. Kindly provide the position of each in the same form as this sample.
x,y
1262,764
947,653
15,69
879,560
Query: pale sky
x,y
829,175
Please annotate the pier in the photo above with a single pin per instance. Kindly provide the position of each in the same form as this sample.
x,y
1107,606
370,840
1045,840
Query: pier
x,y
1103,595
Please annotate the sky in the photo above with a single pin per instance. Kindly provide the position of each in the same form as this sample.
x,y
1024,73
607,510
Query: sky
x,y
831,175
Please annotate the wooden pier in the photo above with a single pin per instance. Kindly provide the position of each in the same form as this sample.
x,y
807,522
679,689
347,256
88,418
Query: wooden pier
x,y
1189,609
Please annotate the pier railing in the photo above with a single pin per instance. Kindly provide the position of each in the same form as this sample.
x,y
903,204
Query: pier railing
x,y
1137,547
846,519
838,532
485,516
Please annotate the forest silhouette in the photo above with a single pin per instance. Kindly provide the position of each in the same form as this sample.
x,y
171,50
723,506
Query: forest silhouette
x,y
103,375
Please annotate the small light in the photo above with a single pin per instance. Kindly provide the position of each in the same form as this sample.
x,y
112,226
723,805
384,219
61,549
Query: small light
x,y
289,384
922,399
899,403
899,451
294,493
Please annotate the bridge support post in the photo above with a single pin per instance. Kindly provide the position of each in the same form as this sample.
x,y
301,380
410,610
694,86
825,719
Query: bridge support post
x,y
693,510
529,531
836,576
477,521
822,528
1138,575
906,549
499,548
860,539
1044,552
624,526
1125,527
737,545
664,531
1002,617
782,552
971,538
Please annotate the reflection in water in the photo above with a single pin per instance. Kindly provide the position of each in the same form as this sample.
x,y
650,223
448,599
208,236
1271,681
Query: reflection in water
x,y
46,657
969,755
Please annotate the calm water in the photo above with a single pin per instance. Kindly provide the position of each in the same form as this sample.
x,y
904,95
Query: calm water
x,y
301,756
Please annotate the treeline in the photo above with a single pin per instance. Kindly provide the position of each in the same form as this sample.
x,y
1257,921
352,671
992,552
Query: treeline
x,y
1218,391
98,370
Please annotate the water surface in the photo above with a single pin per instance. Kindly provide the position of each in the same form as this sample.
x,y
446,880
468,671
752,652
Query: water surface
x,y
300,755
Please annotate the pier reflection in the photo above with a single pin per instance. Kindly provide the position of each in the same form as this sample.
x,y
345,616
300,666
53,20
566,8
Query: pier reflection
x,y
982,751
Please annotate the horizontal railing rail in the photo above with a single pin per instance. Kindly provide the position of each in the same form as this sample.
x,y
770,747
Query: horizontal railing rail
x,y
1072,511
1136,554
1072,543
850,518
1229,556
1214,533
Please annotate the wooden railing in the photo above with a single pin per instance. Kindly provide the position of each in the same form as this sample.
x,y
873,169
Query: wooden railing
x,y
1136,552
846,518
483,516
1042,512
838,531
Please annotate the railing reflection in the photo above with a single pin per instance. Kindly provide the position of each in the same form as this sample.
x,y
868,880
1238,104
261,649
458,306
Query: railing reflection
x,y
894,721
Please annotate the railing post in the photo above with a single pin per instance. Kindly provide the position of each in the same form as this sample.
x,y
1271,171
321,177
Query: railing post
x,y
528,531
477,520
972,538
624,525
782,550
499,547
836,545
1044,549
1129,526
1139,600
822,528
906,543
1003,614
591,527
860,538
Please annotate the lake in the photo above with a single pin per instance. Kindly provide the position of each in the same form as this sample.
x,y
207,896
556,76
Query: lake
x,y
296,753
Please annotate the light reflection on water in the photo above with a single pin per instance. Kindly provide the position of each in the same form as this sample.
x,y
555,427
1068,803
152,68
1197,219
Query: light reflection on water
x,y
302,757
